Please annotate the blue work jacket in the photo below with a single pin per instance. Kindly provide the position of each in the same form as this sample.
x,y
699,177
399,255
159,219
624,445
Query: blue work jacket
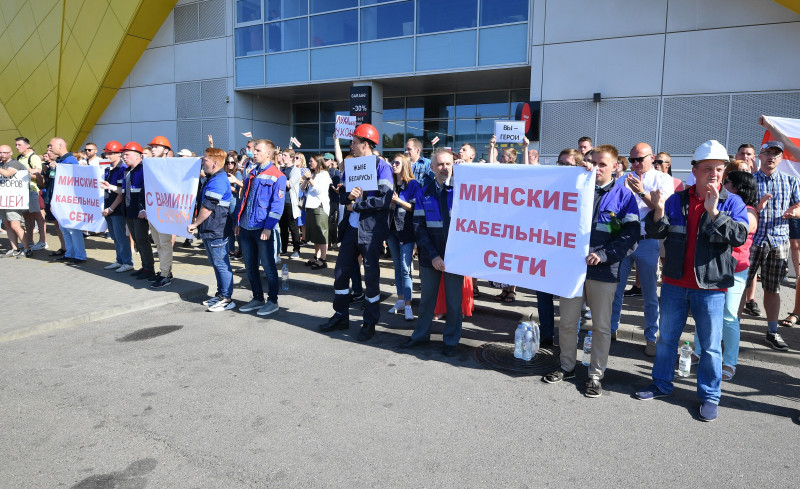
x,y
402,220
432,221
612,242
264,193
372,207
215,195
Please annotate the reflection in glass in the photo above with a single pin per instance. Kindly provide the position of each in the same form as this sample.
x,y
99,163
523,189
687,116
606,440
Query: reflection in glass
x,y
335,28
319,6
385,21
430,107
482,104
248,10
306,112
308,135
249,40
505,12
287,35
329,110
394,135
283,9
446,15
394,109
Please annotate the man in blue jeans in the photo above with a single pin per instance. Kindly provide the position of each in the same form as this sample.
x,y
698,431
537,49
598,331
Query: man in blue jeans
x,y
212,226
73,237
702,225
261,209
642,181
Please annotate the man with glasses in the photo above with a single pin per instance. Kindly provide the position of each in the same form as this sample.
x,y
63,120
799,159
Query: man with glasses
x,y
777,195
420,165
643,180
92,157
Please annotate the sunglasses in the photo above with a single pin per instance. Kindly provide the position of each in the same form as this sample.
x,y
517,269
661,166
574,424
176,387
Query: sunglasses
x,y
639,159
395,163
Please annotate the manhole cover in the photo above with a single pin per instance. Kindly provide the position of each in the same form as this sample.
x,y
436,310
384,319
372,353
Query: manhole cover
x,y
500,357
147,333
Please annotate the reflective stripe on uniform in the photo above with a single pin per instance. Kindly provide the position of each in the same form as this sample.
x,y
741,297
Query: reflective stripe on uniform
x,y
223,203
388,183
274,215
603,226
434,224
374,299
262,176
629,218
214,195
419,212
341,291
677,229
135,190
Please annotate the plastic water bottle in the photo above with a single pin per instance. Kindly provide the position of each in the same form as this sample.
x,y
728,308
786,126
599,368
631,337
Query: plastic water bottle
x,y
685,362
519,341
527,351
587,349
285,278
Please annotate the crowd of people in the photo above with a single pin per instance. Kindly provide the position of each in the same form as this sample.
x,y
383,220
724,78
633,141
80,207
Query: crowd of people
x,y
704,241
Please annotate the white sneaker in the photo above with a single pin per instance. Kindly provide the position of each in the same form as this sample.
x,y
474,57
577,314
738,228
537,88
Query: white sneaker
x,y
295,255
267,309
212,300
397,307
41,245
221,305
409,314
124,268
112,266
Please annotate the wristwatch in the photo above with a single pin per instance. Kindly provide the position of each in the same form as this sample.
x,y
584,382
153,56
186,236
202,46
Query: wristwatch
x,y
641,195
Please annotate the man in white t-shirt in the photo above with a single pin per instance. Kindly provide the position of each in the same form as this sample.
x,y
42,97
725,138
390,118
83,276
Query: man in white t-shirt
x,y
641,181
91,154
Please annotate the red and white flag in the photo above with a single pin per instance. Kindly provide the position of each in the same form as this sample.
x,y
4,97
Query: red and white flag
x,y
435,140
790,128
293,140
247,134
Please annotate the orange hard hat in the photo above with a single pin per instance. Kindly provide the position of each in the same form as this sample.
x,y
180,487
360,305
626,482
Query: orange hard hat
x,y
113,147
133,146
368,132
161,141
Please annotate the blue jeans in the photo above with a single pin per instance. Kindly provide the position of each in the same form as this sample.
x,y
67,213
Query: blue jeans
x,y
217,253
122,245
73,240
546,311
453,290
401,256
646,259
730,321
255,251
706,307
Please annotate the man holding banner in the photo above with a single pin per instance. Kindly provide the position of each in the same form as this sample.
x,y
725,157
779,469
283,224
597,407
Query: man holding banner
x,y
163,241
615,231
13,191
115,175
73,237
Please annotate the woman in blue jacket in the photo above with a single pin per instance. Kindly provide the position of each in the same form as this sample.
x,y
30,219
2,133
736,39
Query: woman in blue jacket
x,y
401,232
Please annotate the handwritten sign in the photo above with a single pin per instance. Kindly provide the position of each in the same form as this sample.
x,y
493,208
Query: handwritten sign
x,y
360,172
345,125
78,199
509,131
171,191
14,190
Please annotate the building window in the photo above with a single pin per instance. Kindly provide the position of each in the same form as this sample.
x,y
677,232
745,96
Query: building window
x,y
446,15
319,6
287,35
248,11
505,12
385,21
284,9
250,40
335,28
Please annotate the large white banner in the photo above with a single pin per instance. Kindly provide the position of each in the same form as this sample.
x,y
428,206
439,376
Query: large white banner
x,y
522,225
170,191
78,199
15,190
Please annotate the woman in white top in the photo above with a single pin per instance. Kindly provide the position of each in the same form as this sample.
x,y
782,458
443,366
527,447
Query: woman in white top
x,y
315,183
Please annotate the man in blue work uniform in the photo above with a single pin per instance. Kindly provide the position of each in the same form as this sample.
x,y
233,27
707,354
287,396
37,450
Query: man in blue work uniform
x,y
112,209
212,226
365,226
261,209
615,232
431,225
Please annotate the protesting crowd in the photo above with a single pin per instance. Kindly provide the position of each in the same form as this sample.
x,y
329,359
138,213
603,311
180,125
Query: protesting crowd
x,y
696,248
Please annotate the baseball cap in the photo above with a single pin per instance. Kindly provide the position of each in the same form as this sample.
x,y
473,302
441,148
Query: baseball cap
x,y
328,156
772,144
184,153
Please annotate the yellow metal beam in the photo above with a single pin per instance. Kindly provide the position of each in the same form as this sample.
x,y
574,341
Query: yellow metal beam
x,y
793,5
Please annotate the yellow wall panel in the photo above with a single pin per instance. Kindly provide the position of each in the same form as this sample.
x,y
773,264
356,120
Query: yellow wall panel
x,y
62,61
791,4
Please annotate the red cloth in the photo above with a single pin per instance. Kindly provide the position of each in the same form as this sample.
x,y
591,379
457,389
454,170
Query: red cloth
x,y
467,301
742,253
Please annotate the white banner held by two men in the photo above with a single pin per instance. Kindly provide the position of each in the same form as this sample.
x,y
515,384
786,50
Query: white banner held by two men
x,y
345,125
522,225
361,172
78,199
170,192
15,190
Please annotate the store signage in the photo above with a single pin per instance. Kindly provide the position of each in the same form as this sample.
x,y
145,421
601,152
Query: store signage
x,y
361,104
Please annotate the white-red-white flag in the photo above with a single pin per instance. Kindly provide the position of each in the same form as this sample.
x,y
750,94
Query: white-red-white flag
x,y
293,140
435,140
247,134
790,128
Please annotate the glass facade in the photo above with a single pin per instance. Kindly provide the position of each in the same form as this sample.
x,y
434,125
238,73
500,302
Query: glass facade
x,y
456,118
389,37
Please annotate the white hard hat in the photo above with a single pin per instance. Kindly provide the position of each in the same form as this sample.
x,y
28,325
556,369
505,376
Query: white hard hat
x,y
710,150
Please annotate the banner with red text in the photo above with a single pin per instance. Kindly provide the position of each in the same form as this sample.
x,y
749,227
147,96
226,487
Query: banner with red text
x,y
170,186
789,128
15,190
527,226
78,199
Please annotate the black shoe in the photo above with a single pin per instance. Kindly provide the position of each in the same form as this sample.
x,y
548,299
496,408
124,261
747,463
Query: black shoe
x,y
155,278
558,376
58,253
409,343
775,341
161,282
76,262
28,253
146,275
751,308
449,350
634,291
138,273
334,323
593,388
367,331
356,298
63,258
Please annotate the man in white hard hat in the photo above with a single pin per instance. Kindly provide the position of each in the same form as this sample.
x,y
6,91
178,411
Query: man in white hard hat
x,y
701,225
777,195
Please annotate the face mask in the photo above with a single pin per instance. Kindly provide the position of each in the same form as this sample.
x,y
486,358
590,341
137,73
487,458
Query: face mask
x,y
249,154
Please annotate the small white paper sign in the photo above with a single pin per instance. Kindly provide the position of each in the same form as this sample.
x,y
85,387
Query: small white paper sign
x,y
360,172
509,131
345,125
